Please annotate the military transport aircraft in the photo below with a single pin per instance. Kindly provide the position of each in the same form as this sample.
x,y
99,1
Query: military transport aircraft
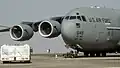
x,y
92,30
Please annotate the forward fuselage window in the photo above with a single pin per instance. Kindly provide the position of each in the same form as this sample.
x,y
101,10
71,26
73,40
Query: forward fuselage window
x,y
83,18
79,18
72,17
67,17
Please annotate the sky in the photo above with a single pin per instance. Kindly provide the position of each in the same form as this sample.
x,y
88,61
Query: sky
x,y
13,12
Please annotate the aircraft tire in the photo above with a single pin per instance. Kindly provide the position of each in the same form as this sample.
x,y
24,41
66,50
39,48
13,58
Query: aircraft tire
x,y
92,54
103,54
86,54
97,54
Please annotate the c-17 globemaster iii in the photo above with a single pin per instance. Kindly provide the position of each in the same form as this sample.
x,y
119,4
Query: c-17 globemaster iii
x,y
92,30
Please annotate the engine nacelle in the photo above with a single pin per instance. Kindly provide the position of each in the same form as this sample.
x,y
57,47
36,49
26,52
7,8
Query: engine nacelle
x,y
21,32
49,28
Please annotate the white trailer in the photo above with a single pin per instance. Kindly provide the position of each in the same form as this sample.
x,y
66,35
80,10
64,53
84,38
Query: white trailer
x,y
15,53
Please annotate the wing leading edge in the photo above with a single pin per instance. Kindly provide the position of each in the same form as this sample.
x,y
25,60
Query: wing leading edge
x,y
5,30
33,25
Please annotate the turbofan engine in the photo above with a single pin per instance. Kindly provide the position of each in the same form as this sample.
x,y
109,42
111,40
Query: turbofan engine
x,y
49,28
21,32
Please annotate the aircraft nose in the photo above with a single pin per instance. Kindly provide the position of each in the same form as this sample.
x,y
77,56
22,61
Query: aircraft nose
x,y
68,31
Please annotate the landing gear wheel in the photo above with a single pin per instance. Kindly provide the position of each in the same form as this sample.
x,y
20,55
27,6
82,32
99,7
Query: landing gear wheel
x,y
97,54
103,54
86,54
92,54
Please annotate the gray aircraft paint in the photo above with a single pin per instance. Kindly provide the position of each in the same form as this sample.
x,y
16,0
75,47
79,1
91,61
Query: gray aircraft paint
x,y
13,12
95,34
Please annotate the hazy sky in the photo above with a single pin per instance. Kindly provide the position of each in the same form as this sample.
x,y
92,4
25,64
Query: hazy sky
x,y
14,11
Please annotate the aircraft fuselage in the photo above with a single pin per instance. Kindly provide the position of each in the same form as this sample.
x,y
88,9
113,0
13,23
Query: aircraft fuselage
x,y
87,29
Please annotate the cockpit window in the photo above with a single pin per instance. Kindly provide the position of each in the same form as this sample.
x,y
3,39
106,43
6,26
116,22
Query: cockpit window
x,y
78,17
72,17
67,17
83,18
75,17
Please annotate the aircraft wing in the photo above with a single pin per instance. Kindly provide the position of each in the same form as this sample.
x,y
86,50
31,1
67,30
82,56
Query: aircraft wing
x,y
4,30
33,25
113,28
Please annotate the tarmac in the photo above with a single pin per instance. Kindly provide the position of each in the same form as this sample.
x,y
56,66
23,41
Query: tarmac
x,y
38,61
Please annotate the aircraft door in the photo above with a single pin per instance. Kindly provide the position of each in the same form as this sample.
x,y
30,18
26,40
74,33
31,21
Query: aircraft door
x,y
110,34
101,32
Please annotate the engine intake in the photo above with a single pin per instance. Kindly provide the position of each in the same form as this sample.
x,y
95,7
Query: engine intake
x,y
49,28
21,32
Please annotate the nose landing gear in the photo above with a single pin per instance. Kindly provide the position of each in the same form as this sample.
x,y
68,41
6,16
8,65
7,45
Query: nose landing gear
x,y
71,54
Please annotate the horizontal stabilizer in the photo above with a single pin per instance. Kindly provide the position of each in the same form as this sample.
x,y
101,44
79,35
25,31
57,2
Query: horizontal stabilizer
x,y
113,28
